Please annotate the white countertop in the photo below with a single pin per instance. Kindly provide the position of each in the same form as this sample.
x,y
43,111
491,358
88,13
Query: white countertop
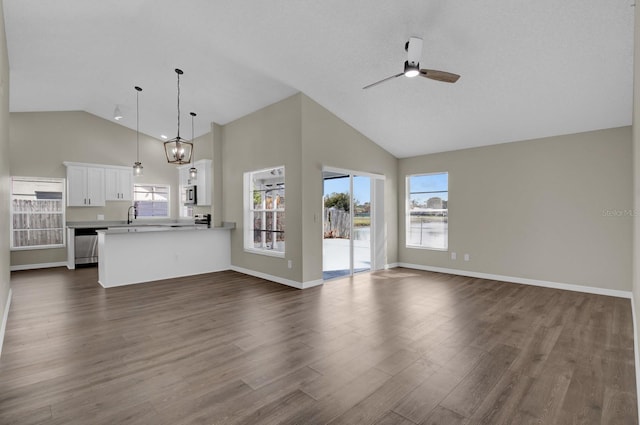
x,y
165,227
118,227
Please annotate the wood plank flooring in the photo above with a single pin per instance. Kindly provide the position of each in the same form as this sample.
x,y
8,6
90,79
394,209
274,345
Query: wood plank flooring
x,y
394,347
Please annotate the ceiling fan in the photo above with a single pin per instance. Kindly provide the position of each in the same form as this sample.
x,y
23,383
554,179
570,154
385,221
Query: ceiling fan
x,y
412,66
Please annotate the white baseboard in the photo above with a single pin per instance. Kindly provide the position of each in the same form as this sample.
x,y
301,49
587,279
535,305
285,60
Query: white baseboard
x,y
391,266
37,266
636,353
277,279
5,316
524,281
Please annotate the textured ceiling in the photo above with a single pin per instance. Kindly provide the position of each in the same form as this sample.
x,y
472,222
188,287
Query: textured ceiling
x,y
529,69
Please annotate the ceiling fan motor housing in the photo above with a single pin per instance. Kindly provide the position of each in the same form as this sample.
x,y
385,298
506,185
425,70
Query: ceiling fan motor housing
x,y
414,50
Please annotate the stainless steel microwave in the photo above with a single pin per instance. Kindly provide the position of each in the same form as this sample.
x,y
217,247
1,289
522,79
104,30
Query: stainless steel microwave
x,y
191,195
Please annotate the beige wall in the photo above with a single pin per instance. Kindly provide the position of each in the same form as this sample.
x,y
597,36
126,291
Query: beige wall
x,y
216,178
302,135
636,182
4,170
266,138
41,141
327,141
534,209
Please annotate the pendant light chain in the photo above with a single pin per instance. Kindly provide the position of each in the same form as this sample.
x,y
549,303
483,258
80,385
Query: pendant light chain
x,y
193,114
137,124
137,166
178,102
193,171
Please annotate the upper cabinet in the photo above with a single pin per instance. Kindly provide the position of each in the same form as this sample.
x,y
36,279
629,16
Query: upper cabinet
x,y
202,181
118,183
85,186
90,185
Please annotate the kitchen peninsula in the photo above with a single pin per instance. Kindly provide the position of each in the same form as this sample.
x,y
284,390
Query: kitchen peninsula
x,y
137,254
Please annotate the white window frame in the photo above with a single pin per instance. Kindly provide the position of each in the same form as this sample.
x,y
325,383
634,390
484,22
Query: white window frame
x,y
62,202
249,210
408,193
167,186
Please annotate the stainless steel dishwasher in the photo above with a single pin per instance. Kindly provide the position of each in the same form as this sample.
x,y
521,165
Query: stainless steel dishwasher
x,y
86,246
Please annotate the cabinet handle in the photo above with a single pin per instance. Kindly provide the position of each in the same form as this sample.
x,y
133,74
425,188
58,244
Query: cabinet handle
x,y
89,201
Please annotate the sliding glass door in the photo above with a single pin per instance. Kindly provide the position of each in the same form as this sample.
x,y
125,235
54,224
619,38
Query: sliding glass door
x,y
361,223
347,224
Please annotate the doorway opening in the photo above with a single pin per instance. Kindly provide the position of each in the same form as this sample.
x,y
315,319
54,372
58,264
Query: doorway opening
x,y
351,217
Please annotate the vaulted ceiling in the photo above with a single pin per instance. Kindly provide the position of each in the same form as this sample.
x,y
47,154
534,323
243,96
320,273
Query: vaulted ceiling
x,y
529,68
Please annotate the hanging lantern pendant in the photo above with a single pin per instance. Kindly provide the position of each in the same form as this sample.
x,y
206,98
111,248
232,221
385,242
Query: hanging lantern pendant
x,y
178,150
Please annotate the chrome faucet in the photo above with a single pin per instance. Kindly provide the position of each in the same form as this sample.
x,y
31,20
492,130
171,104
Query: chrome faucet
x,y
135,214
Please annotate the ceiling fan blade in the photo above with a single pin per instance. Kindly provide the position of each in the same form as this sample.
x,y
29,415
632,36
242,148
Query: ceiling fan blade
x,y
382,81
445,77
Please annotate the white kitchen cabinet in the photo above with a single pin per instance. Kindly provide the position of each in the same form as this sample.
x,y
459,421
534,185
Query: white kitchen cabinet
x,y
85,185
118,183
202,181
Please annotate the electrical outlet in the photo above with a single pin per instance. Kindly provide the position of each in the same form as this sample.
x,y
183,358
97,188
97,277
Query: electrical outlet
x,y
454,256
100,216
466,257
289,263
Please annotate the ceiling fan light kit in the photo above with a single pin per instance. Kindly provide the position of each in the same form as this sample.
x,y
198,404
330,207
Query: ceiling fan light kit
x,y
412,69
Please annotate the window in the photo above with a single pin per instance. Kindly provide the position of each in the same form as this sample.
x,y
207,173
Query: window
x,y
151,200
37,213
427,211
264,211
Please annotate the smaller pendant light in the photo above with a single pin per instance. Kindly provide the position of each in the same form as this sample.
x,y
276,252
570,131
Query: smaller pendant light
x,y
193,171
178,150
137,167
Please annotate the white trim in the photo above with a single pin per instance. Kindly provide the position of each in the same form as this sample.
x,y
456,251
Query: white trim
x,y
86,164
38,266
543,283
277,279
391,266
5,317
353,172
636,353
267,252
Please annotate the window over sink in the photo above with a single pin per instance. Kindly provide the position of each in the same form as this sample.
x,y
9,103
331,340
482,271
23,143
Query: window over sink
x,y
152,200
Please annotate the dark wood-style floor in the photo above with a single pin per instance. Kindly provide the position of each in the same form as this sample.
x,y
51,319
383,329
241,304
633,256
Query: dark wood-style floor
x,y
394,347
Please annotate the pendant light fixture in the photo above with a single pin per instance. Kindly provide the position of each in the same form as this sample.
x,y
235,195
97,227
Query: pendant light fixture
x,y
193,171
178,150
137,167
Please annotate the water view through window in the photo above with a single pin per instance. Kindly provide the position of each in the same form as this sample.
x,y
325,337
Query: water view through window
x,y
428,211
